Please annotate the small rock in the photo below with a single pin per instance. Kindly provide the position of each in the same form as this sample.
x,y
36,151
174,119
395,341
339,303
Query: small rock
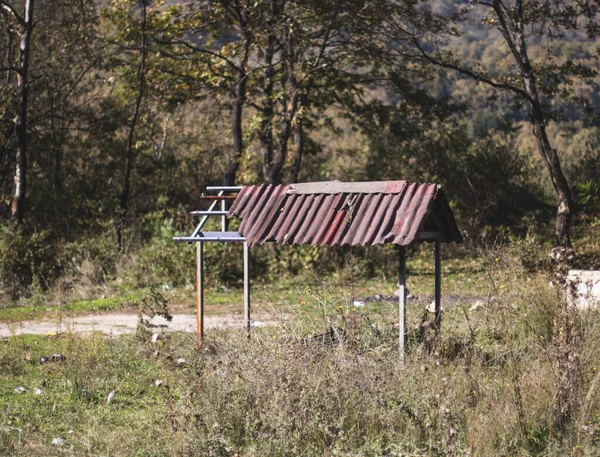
x,y
476,305
181,361
38,391
158,382
58,441
70,432
20,390
431,307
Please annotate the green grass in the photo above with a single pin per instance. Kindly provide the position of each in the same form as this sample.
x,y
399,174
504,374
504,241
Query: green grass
x,y
486,387
26,312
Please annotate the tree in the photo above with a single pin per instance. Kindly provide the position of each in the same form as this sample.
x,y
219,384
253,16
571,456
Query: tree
x,y
532,82
206,52
24,25
129,151
278,62
316,54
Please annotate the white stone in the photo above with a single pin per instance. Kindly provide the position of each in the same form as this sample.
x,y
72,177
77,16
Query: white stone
x,y
587,288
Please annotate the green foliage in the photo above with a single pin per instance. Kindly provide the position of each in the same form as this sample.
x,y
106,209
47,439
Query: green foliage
x,y
29,262
588,196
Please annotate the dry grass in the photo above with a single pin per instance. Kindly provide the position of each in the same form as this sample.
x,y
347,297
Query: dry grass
x,y
486,387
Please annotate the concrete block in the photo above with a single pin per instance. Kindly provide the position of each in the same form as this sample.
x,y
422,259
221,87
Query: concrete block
x,y
587,290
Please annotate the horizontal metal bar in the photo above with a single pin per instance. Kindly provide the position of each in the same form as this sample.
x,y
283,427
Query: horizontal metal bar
x,y
222,239
218,197
205,218
225,188
220,234
209,213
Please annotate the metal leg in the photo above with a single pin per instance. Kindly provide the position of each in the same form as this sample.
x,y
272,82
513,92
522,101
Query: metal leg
x,y
402,302
247,287
200,292
438,286
223,218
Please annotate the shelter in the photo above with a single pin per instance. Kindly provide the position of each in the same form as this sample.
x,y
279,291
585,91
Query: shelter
x,y
331,213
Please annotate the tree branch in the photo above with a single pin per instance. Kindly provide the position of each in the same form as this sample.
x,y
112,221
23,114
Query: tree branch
x,y
470,73
12,12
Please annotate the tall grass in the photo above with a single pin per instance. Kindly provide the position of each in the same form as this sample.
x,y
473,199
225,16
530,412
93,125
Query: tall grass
x,y
318,386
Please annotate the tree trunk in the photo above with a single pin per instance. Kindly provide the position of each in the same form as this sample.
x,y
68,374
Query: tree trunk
x,y
17,207
129,153
289,109
564,199
512,29
236,120
298,151
9,55
564,211
236,127
266,127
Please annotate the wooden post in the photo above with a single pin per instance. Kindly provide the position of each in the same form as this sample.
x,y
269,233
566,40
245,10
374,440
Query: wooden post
x,y
247,287
200,292
402,303
438,285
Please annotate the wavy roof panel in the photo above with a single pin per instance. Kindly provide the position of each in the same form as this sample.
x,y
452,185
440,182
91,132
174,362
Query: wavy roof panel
x,y
334,213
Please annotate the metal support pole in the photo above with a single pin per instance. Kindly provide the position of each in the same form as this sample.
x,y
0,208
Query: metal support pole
x,y
247,287
402,302
438,286
200,292
223,218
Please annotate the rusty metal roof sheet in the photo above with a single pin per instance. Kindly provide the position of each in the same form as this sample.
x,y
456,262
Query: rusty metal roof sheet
x,y
336,213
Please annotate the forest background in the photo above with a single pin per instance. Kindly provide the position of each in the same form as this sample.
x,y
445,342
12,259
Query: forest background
x,y
114,116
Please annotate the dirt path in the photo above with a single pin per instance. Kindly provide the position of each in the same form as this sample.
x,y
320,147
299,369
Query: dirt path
x,y
117,324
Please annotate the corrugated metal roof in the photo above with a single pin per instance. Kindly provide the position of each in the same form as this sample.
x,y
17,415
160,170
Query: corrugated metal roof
x,y
336,213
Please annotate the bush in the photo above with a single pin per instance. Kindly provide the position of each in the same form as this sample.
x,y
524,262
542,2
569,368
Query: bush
x,y
29,261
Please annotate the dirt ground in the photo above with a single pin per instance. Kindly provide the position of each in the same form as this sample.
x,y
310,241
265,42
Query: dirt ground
x,y
117,324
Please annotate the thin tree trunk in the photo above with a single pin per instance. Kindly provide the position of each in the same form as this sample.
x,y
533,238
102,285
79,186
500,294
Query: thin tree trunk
x,y
17,207
564,210
266,127
129,153
236,118
562,191
9,55
289,110
298,151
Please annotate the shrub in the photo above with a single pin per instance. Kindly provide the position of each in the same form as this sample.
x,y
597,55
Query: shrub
x,y
29,261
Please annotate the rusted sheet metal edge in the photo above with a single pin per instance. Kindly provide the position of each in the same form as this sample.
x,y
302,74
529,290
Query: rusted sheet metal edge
x,y
338,187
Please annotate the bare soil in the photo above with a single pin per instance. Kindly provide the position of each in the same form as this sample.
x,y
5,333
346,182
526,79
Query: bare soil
x,y
115,324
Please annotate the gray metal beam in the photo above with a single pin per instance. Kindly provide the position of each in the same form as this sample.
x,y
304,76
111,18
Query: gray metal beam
x,y
207,237
225,188
200,293
208,213
247,287
402,303
438,285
